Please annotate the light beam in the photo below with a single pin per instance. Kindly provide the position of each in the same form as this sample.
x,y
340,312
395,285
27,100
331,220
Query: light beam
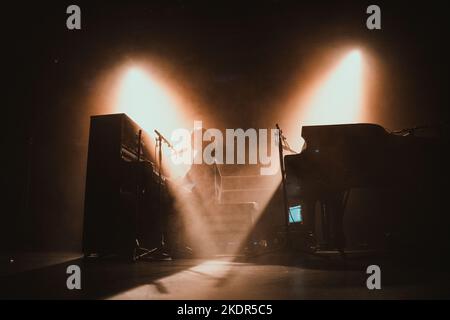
x,y
339,98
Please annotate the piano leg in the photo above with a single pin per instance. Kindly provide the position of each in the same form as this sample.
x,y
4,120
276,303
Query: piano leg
x,y
336,205
332,207
310,241
325,225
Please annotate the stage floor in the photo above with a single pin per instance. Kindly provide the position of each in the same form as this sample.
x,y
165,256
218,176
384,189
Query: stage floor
x,y
271,276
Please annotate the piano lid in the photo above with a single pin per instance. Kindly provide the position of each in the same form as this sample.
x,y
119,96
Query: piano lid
x,y
332,136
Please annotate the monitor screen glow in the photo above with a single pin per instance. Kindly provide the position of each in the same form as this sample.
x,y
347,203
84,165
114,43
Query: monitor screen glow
x,y
295,214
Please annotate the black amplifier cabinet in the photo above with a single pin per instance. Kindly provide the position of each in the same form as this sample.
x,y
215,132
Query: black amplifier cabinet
x,y
122,190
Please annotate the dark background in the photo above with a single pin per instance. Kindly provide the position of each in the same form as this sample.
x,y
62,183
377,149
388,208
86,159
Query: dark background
x,y
240,58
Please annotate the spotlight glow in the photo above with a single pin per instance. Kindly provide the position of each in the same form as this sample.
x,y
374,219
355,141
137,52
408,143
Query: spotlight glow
x,y
153,106
148,102
339,98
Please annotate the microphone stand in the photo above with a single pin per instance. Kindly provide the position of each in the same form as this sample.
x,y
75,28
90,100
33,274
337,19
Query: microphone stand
x,y
159,139
136,254
286,214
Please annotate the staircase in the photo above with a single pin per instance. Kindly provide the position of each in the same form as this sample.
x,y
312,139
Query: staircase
x,y
239,189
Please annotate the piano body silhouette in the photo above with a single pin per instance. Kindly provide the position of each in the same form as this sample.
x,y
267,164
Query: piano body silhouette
x,y
340,158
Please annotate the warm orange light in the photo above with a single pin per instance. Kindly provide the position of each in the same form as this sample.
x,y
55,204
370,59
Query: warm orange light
x,y
152,106
148,102
339,98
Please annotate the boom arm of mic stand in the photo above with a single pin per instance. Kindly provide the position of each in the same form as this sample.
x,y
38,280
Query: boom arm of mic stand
x,y
162,138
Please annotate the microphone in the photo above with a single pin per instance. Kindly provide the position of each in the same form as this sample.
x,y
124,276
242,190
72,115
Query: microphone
x,y
162,138
280,132
284,145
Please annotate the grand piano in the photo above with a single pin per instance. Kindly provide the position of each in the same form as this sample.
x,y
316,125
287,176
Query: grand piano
x,y
337,159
